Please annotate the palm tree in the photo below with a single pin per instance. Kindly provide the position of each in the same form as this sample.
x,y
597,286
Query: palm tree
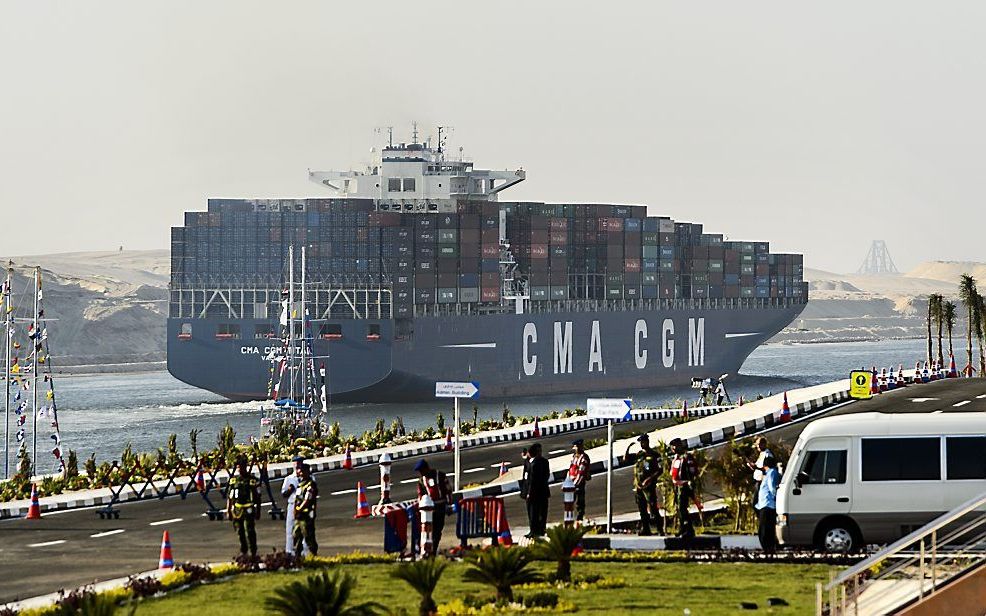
x,y
502,568
321,594
931,309
939,320
562,541
935,301
949,317
969,297
423,575
979,322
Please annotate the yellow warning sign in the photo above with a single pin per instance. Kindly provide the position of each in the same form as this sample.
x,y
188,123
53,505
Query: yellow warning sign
x,y
860,384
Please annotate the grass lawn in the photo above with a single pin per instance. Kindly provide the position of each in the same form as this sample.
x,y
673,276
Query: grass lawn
x,y
651,588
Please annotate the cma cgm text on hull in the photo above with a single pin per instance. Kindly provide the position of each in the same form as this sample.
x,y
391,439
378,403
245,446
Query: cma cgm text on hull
x,y
416,273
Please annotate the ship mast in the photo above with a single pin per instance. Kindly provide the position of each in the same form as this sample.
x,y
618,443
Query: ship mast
x,y
34,355
291,320
8,326
304,333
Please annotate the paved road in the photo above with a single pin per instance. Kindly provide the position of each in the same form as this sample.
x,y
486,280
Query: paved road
x,y
70,548
67,549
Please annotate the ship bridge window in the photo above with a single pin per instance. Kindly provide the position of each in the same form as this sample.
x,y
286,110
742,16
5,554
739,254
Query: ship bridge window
x,y
409,185
330,331
433,207
394,184
373,331
264,330
228,331
185,332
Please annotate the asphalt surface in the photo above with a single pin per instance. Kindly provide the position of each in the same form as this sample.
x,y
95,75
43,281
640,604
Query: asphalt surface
x,y
71,548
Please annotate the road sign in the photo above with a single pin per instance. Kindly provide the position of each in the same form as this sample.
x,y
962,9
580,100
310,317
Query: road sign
x,y
861,384
609,408
451,389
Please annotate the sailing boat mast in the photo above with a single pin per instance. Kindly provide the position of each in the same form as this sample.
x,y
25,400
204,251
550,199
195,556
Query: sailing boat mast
x,y
291,370
8,326
304,334
34,355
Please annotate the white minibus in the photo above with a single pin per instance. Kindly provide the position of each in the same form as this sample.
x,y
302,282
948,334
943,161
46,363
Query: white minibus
x,y
871,478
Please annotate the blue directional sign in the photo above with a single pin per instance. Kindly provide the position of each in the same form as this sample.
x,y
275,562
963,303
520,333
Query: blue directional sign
x,y
451,389
609,408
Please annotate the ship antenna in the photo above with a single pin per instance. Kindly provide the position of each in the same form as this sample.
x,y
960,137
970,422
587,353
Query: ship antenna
x,y
414,132
390,136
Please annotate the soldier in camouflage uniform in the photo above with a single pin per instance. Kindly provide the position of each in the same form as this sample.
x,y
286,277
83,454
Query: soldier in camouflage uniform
x,y
304,511
646,473
243,506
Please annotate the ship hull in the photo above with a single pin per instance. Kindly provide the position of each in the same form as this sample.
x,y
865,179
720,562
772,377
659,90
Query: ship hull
x,y
509,355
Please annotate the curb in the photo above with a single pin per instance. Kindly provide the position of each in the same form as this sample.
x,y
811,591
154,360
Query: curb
x,y
103,496
650,544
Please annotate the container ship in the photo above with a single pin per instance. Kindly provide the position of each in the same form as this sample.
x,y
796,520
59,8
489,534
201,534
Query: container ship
x,y
417,272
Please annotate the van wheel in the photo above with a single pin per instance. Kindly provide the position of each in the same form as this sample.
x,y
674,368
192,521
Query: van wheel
x,y
838,536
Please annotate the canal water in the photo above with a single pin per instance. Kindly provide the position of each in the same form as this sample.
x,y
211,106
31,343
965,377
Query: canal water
x,y
102,413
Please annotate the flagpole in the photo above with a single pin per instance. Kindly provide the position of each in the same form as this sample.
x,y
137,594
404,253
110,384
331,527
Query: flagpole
x,y
8,315
304,333
34,387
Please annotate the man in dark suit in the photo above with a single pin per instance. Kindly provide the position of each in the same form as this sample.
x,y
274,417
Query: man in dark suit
x,y
535,491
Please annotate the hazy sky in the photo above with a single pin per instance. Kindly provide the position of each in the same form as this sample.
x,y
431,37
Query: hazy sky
x,y
817,127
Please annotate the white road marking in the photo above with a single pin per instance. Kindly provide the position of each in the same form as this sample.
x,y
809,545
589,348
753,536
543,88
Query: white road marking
x,y
980,396
963,403
169,521
922,399
412,480
376,487
108,533
45,544
553,452
936,412
341,492
473,470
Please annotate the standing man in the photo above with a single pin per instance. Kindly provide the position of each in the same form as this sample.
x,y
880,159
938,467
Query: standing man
x,y
766,506
578,470
684,472
525,457
537,492
435,484
758,467
646,473
304,511
289,490
243,506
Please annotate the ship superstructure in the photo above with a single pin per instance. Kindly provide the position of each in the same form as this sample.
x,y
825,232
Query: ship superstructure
x,y
418,272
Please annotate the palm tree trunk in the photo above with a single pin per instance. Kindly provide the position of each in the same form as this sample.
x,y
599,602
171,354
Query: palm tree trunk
x,y
930,301
941,359
968,340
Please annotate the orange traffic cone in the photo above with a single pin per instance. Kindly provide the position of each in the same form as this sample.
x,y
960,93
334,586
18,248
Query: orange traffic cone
x,y
875,385
785,410
362,506
166,561
34,511
952,372
537,429
448,439
348,462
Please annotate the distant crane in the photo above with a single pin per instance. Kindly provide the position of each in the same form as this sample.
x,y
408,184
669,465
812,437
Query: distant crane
x,y
878,261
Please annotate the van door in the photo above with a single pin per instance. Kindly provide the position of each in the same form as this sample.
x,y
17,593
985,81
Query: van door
x,y
821,487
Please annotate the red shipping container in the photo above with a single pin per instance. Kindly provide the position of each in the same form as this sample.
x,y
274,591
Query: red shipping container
x,y
492,251
539,251
558,224
611,224
490,294
558,237
491,236
632,265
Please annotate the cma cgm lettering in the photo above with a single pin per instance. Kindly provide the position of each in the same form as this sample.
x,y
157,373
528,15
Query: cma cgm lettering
x,y
564,343
417,272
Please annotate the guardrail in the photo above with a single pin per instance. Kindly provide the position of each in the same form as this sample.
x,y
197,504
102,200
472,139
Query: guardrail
x,y
912,568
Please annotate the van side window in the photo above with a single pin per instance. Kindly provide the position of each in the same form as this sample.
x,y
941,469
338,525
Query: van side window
x,y
965,457
901,459
824,467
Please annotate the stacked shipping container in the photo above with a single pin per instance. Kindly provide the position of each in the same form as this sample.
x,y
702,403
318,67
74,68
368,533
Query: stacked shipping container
x,y
566,252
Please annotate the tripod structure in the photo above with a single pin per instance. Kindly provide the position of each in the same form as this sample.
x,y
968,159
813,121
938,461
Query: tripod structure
x,y
878,260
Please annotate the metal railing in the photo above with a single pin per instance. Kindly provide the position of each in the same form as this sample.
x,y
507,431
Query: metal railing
x,y
912,568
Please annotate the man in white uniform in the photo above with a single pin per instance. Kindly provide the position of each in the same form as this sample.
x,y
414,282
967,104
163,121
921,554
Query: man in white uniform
x,y
289,489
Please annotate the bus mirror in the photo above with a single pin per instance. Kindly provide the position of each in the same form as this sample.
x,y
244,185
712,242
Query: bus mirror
x,y
801,478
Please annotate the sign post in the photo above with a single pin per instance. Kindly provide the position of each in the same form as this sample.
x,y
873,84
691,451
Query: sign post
x,y
860,384
610,409
456,390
